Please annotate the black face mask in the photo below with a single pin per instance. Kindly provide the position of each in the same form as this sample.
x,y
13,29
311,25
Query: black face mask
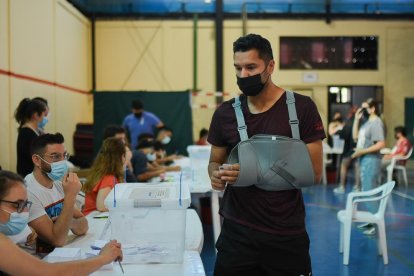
x,y
138,115
365,113
251,86
364,117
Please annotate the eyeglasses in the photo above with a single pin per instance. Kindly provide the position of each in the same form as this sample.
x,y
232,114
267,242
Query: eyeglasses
x,y
58,157
20,205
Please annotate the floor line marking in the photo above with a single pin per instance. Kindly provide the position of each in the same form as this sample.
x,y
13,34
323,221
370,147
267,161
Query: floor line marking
x,y
403,195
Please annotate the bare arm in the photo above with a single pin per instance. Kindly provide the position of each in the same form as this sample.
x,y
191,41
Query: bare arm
x,y
355,126
100,199
372,149
15,261
56,233
316,154
160,124
150,174
79,225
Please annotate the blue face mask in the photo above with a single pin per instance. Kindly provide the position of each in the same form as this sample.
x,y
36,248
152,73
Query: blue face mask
x,y
151,157
43,123
58,169
16,224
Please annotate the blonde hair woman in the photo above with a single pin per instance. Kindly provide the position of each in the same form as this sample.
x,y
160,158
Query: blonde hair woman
x,y
107,170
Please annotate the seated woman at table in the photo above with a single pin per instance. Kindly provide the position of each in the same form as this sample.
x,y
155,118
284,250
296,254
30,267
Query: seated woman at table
x,y
14,212
107,170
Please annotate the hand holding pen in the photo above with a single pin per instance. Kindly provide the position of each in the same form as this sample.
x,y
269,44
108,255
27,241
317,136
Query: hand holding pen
x,y
112,250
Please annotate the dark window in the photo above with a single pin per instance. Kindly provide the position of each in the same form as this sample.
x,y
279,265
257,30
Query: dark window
x,y
329,53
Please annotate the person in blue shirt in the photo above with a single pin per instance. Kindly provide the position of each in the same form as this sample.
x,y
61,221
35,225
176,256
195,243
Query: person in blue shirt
x,y
140,121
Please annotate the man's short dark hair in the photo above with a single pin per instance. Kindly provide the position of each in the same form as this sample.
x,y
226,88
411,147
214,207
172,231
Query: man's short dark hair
x,y
401,129
256,42
158,146
164,128
112,130
145,136
203,132
145,144
137,104
40,142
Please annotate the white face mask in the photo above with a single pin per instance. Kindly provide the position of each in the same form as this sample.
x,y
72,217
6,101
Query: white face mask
x,y
151,156
166,140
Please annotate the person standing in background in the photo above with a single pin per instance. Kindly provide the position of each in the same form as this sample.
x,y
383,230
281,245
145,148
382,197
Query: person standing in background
x,y
31,115
41,128
140,121
336,124
346,160
371,139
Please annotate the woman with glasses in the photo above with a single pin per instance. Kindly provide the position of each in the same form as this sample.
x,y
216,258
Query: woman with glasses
x,y
14,208
107,170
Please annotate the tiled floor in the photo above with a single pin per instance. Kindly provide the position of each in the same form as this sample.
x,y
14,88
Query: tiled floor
x,y
322,206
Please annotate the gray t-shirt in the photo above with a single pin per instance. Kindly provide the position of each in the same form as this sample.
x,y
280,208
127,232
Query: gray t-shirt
x,y
370,133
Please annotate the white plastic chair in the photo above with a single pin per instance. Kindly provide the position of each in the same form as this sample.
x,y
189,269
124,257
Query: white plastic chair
x,y
394,166
351,214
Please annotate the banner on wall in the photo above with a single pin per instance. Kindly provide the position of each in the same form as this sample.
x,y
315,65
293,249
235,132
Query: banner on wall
x,y
173,108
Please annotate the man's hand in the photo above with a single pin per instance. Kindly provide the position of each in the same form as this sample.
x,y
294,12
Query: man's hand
x,y
227,174
71,185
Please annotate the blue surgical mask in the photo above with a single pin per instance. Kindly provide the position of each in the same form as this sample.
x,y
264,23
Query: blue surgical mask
x,y
43,123
166,140
151,157
16,223
58,169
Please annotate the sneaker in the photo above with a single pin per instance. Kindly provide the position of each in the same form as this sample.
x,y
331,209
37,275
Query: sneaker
x,y
356,189
370,231
365,225
339,190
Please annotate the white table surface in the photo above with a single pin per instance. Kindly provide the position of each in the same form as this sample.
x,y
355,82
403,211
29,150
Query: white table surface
x,y
192,264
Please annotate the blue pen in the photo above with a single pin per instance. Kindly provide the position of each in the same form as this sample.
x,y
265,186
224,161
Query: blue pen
x,y
179,201
114,192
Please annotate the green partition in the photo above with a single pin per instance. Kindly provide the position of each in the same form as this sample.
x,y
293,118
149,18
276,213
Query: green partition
x,y
173,108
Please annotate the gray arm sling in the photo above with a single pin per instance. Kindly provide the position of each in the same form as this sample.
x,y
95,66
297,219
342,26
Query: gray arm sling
x,y
272,162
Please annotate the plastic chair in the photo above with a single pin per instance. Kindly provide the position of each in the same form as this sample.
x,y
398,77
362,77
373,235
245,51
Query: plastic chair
x,y
351,214
394,166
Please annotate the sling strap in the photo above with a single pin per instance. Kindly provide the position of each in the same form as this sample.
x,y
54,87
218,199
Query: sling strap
x,y
293,118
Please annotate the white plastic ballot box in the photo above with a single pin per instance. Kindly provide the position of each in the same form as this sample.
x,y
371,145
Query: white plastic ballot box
x,y
149,220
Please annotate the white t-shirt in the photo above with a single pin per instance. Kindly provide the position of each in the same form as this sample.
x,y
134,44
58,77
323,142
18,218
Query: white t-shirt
x,y
45,201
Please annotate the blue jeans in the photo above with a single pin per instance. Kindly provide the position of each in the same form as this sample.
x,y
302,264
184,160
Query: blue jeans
x,y
370,166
